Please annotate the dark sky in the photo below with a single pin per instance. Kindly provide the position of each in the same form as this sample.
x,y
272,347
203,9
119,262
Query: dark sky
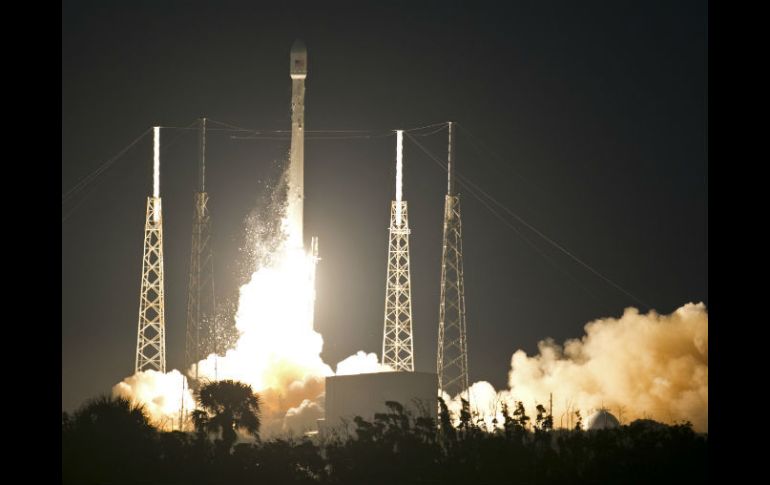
x,y
596,113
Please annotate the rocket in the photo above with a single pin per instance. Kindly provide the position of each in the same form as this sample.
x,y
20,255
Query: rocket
x,y
296,176
296,172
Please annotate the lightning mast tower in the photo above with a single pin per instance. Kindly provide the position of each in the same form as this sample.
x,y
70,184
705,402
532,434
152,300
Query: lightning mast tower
x,y
151,338
452,358
201,333
397,345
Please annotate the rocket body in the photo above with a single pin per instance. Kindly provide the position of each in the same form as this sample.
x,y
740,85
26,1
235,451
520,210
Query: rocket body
x,y
296,175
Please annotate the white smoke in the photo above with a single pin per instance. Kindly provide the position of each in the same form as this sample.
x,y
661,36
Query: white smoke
x,y
162,394
361,363
304,417
277,353
637,366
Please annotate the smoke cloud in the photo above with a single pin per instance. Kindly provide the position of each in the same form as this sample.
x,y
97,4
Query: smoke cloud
x,y
277,352
361,363
638,366
161,394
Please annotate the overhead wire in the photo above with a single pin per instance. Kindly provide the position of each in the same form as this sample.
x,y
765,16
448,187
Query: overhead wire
x,y
94,180
473,188
508,224
431,133
99,170
480,146
92,177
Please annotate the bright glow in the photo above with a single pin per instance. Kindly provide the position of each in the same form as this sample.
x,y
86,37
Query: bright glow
x,y
399,162
277,344
399,175
162,395
277,353
156,162
361,363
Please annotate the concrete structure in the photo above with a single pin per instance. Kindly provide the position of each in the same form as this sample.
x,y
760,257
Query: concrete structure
x,y
365,394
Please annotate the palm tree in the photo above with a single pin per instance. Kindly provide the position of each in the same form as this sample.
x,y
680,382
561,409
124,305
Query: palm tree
x,y
108,439
226,406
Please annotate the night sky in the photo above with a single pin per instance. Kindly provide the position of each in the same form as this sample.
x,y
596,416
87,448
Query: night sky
x,y
594,117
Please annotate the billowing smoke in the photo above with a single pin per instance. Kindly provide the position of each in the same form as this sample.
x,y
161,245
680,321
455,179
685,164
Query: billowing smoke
x,y
637,366
163,395
361,363
277,352
305,416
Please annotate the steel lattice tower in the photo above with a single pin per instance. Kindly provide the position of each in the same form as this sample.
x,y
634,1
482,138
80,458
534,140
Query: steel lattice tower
x,y
397,346
452,361
151,338
201,332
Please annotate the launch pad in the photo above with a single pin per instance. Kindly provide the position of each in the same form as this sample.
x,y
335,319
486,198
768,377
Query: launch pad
x,y
366,394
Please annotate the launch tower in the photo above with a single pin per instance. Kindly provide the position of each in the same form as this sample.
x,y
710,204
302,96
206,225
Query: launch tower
x,y
452,358
151,338
201,332
397,346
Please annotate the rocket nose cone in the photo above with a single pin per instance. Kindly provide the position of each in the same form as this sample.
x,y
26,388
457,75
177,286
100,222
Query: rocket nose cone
x,y
298,47
298,59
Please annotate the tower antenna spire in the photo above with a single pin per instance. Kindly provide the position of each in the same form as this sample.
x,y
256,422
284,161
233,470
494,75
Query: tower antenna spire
x,y
202,336
452,356
151,334
397,343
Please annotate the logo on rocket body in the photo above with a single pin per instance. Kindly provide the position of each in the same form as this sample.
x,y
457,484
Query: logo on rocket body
x,y
298,67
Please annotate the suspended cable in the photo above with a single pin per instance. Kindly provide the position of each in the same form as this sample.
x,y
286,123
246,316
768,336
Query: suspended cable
x,y
443,123
555,244
431,133
382,132
468,184
481,146
93,176
87,179
507,223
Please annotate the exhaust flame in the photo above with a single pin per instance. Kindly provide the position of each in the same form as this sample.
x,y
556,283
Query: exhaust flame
x,y
277,340
277,353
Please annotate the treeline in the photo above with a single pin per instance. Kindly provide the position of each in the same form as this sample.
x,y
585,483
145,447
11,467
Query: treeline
x,y
111,441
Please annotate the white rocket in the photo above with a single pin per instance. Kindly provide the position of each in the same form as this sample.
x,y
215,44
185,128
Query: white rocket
x,y
296,193
296,175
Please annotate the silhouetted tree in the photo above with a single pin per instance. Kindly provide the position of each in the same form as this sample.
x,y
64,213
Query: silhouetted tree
x,y
520,416
543,420
110,441
465,414
226,406
540,417
579,423
107,440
